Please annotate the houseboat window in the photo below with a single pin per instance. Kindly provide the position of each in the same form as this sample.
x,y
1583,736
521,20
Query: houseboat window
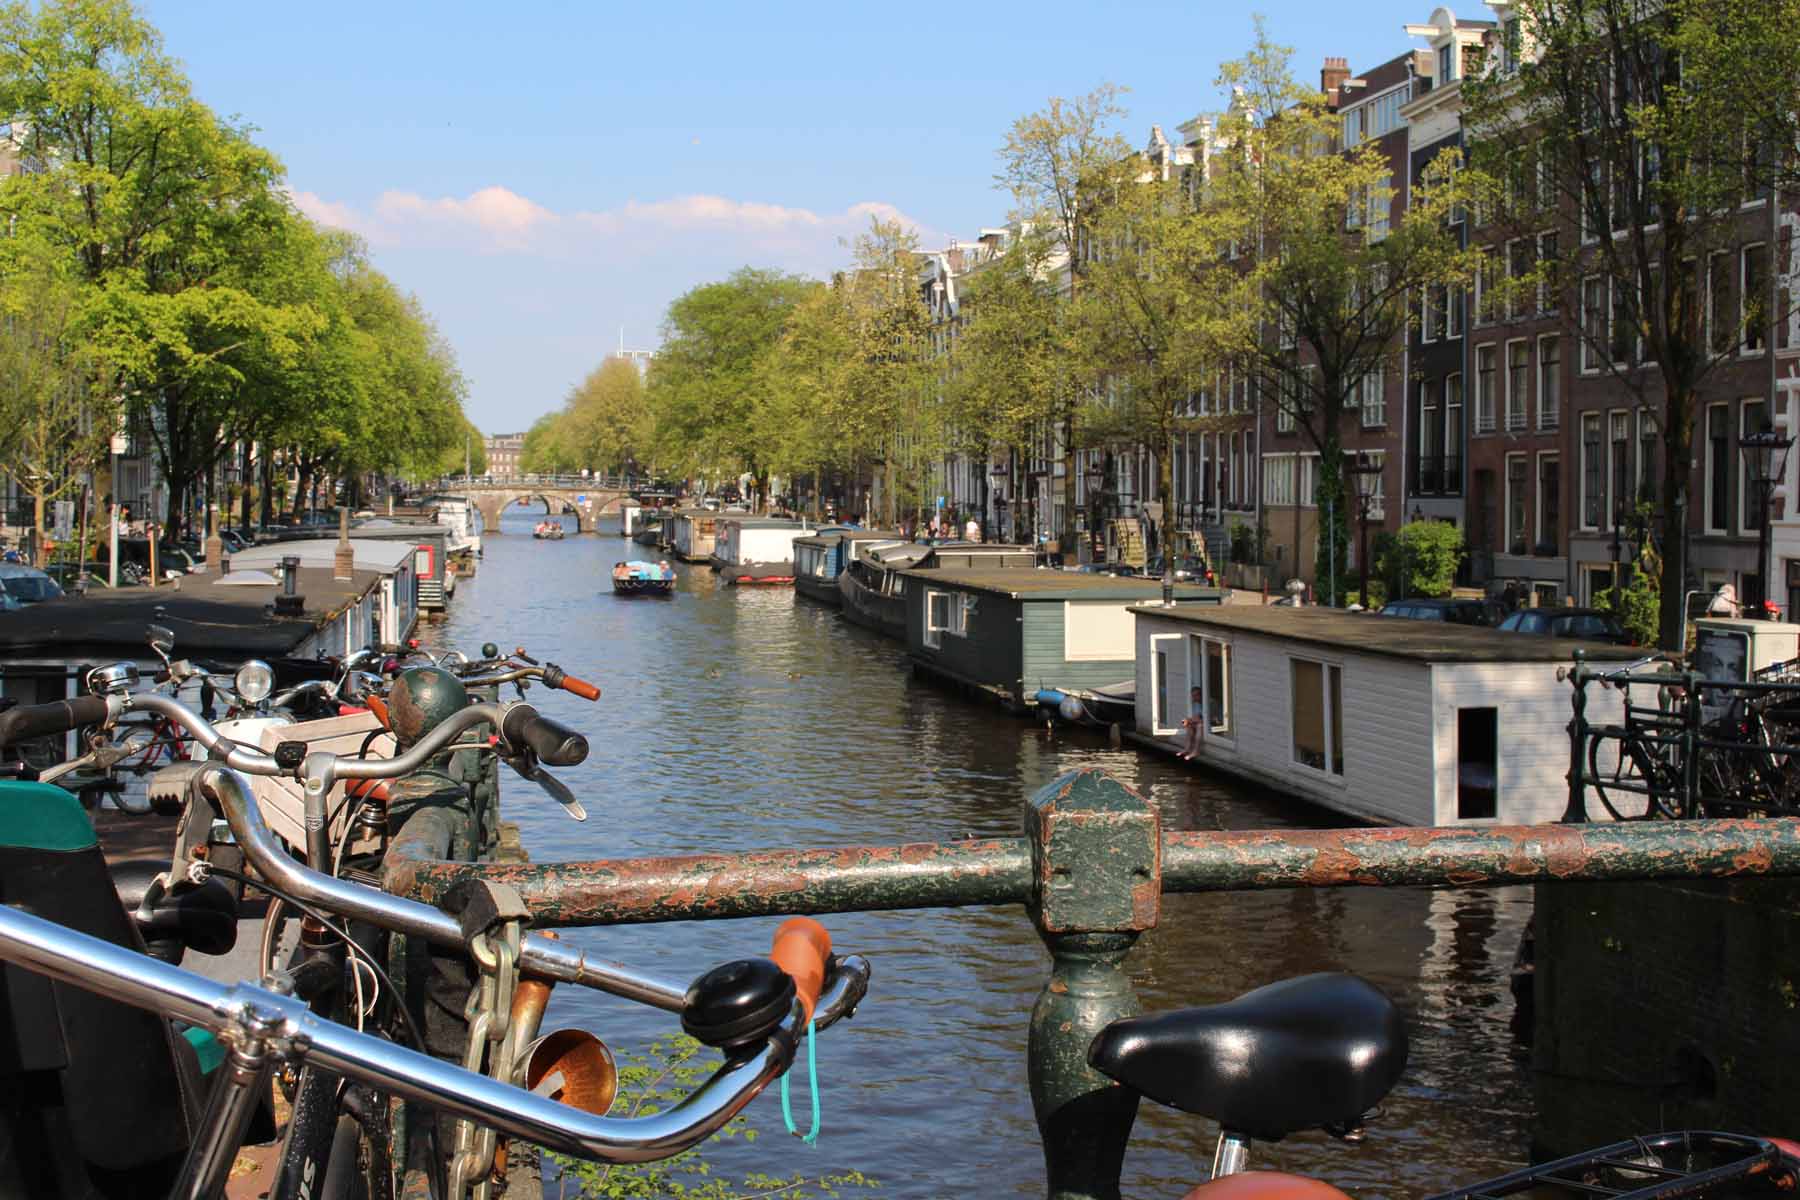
x,y
1215,657
1164,706
1477,763
1318,715
937,617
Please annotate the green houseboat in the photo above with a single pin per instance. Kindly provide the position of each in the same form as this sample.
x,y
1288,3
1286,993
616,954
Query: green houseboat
x,y
1010,634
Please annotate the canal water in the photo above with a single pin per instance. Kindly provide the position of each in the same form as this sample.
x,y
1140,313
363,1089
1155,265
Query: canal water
x,y
746,719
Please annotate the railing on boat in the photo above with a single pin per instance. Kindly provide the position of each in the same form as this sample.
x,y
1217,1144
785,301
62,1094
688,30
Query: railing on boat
x,y
1090,869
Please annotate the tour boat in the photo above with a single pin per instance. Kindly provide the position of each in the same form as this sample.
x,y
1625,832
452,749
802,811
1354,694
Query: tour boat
x,y
638,578
550,531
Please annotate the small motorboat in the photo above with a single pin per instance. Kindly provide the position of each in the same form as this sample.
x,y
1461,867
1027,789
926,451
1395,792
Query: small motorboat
x,y
549,531
638,578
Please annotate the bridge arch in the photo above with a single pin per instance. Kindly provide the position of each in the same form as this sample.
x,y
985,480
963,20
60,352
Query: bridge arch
x,y
589,506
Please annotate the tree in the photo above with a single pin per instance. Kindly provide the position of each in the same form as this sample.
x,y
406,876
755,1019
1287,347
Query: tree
x,y
1006,360
604,425
1046,160
1640,129
1333,277
704,384
802,375
57,412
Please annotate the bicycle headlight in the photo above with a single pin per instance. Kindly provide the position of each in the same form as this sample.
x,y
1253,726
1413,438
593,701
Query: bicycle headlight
x,y
254,681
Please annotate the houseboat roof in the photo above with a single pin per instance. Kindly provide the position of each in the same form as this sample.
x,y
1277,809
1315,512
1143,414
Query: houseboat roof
x,y
743,521
211,616
1396,637
385,555
1044,584
831,535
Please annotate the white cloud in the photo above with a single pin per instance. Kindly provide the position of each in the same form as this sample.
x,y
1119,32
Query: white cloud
x,y
496,219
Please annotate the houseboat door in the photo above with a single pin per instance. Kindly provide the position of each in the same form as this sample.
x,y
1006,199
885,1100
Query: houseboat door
x,y
1168,683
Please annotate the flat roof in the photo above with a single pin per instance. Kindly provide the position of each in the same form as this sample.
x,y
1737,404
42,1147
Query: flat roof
x,y
210,619
1397,637
831,535
1042,583
374,554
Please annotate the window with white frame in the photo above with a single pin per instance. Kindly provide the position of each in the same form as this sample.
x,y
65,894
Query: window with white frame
x,y
1487,286
1169,689
1646,462
1721,328
1377,484
1431,313
1593,322
1518,384
1317,714
1619,447
1453,312
1486,383
1353,127
1593,473
1278,480
1518,268
1381,207
1549,379
1718,467
1372,398
1546,284
1518,504
1210,664
1750,420
1754,289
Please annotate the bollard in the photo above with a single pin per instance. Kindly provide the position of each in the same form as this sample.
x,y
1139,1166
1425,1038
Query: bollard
x,y
1576,812
1096,856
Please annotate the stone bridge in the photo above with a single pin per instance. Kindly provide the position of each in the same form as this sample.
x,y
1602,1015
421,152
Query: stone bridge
x,y
590,500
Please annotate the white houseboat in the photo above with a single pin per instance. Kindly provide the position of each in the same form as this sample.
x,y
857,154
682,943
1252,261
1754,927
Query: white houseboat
x,y
1391,721
691,533
756,549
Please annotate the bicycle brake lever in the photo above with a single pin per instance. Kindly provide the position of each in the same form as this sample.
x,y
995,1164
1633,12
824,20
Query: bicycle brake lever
x,y
526,764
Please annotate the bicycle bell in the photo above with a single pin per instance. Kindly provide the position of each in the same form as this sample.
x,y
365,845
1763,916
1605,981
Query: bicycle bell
x,y
115,680
421,698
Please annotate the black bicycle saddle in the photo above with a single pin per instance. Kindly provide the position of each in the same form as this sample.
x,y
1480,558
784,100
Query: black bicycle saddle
x,y
1314,1051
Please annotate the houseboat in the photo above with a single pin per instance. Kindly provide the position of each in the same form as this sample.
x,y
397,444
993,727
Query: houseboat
x,y
631,518
432,573
1012,634
756,549
691,533
458,516
873,585
819,559
1389,721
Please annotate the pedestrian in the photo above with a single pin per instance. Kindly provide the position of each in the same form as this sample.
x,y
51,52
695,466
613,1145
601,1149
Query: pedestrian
x,y
972,531
1194,723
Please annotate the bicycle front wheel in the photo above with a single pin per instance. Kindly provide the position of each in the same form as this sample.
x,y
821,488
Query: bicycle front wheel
x,y
1638,784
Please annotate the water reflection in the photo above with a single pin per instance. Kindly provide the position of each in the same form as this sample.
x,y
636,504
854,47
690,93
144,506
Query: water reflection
x,y
746,718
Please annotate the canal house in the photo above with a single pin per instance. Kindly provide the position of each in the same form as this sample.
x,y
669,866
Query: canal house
x,y
1387,720
691,533
1011,633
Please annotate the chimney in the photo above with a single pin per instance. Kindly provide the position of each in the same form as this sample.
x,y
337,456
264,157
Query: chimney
x,y
289,601
1332,75
344,562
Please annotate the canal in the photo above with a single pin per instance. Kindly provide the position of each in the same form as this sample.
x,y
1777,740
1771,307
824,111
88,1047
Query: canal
x,y
737,720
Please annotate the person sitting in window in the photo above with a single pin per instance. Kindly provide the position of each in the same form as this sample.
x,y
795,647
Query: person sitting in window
x,y
1194,724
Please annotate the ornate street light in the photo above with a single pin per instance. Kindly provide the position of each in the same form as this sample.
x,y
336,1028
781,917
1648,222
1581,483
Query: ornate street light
x,y
1366,475
1765,458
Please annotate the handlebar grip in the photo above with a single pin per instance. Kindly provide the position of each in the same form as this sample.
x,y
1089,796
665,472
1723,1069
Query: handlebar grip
x,y
580,687
555,743
59,716
802,948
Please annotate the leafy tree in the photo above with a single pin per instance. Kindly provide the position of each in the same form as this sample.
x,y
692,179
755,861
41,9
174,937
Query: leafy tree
x,y
1333,284
704,385
802,374
604,425
1421,559
1643,127
1048,157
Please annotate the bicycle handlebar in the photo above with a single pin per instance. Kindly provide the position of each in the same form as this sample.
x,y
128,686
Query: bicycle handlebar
x,y
58,716
245,1013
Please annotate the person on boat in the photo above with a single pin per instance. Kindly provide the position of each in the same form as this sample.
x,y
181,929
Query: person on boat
x,y
1194,724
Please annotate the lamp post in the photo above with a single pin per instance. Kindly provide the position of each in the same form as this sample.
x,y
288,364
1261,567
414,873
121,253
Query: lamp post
x,y
1365,475
1765,458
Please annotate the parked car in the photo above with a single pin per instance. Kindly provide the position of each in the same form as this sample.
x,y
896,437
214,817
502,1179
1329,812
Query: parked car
x,y
1456,612
1588,624
28,585
1189,568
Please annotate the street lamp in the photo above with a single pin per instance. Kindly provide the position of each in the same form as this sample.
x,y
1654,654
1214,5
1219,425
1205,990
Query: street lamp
x,y
1765,458
1365,475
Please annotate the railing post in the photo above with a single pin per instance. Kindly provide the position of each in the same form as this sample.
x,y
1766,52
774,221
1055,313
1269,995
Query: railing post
x,y
1690,746
1096,855
1576,812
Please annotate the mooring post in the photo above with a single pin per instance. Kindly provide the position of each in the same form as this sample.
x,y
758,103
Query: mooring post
x,y
1096,856
1576,811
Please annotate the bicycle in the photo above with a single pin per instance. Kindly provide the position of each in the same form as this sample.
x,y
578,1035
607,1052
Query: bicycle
x,y
1319,1052
751,1010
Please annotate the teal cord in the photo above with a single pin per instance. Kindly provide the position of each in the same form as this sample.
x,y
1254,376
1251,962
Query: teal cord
x,y
812,1083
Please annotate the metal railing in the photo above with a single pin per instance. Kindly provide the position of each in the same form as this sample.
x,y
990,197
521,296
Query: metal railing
x,y
1437,476
566,483
1090,869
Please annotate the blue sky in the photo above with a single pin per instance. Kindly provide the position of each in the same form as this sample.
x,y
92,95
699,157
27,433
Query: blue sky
x,y
541,174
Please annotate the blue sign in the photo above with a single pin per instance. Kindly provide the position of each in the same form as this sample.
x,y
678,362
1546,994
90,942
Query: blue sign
x,y
581,499
940,502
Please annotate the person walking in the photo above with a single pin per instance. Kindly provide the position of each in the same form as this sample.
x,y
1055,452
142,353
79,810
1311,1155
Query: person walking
x,y
972,531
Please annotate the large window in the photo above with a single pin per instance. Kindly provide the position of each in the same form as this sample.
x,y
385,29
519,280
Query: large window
x,y
1593,473
1593,322
1755,294
1518,504
1549,376
1721,325
1619,451
1373,398
1549,513
1750,499
1518,383
1486,381
1647,438
1547,283
1318,723
1718,467
1214,659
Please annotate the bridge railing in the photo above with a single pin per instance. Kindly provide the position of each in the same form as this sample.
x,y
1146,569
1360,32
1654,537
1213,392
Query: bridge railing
x,y
1090,870
564,483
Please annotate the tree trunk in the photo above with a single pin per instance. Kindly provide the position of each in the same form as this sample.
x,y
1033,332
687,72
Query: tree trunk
x,y
1678,442
266,468
1065,532
37,529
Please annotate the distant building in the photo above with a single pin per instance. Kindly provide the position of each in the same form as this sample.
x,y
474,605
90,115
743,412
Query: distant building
x,y
503,452
637,358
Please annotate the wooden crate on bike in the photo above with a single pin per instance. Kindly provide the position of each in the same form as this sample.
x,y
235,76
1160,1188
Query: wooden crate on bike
x,y
281,799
